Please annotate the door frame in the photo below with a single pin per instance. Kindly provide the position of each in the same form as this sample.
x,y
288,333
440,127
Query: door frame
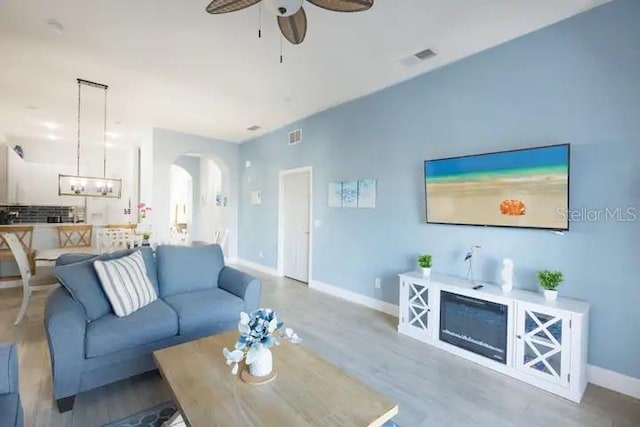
x,y
280,257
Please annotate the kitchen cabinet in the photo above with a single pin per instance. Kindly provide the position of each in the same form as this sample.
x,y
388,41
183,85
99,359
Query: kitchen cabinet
x,y
12,176
28,183
42,185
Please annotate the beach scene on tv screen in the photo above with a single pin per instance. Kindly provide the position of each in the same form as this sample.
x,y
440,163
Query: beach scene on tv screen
x,y
522,188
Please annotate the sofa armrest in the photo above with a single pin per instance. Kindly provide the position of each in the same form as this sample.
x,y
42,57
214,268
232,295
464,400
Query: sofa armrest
x,y
242,285
8,369
65,326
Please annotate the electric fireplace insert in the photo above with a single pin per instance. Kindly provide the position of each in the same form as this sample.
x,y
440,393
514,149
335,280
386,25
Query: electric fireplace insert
x,y
475,325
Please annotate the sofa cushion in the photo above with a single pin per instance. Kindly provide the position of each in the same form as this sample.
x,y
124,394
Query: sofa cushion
x,y
126,283
149,261
187,269
111,333
206,312
82,282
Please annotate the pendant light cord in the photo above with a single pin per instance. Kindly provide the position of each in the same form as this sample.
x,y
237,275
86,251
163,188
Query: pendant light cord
x,y
104,140
104,167
78,149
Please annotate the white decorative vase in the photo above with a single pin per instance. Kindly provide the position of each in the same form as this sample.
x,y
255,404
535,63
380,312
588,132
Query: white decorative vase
x,y
426,271
550,295
507,287
263,363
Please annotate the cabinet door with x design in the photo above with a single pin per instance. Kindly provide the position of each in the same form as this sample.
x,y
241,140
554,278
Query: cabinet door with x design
x,y
416,317
543,344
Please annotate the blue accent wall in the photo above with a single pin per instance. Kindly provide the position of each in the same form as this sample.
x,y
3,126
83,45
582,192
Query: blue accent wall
x,y
577,81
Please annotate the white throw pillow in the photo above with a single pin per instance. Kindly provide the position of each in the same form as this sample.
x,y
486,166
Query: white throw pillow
x,y
126,283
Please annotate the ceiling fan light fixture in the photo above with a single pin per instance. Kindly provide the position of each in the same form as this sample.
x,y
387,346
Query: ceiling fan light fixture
x,y
284,8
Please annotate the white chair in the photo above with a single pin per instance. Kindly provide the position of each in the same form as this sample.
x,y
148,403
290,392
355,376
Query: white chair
x,y
111,239
221,237
42,278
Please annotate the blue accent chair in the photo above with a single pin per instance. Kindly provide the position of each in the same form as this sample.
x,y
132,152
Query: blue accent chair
x,y
11,414
90,346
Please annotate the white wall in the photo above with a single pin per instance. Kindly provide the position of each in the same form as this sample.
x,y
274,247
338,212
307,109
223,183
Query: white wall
x,y
159,153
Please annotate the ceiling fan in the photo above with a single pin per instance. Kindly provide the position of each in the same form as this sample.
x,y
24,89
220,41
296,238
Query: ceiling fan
x,y
292,19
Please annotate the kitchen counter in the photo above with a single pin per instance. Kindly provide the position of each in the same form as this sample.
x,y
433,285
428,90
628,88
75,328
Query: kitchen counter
x,y
47,224
45,235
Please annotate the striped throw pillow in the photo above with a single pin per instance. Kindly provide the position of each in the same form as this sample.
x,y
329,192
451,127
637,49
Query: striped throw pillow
x,y
126,283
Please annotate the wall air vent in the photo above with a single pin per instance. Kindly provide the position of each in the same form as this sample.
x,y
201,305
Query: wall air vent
x,y
418,57
253,128
295,137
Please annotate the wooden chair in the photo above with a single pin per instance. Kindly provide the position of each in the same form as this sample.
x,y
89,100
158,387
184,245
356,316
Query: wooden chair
x,y
44,278
25,236
75,236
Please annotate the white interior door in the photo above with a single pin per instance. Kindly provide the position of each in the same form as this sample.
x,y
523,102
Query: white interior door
x,y
295,223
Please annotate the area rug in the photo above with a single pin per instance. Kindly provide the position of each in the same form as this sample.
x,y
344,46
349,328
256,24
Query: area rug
x,y
154,417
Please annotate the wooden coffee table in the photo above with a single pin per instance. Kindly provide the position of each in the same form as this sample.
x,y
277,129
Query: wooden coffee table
x,y
307,391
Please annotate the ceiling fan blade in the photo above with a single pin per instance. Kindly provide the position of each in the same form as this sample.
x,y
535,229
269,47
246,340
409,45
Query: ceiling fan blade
x,y
343,5
294,27
225,6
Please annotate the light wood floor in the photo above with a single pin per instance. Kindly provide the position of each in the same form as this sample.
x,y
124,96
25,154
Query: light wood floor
x,y
432,387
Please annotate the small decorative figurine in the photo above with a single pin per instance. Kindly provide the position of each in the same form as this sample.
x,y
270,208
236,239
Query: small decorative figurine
x,y
469,259
507,275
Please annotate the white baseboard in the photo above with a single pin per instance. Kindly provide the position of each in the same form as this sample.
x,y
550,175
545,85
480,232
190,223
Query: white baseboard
x,y
354,297
7,284
614,381
258,267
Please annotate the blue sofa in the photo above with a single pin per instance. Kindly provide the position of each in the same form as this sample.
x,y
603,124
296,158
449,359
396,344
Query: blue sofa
x,y
90,346
10,407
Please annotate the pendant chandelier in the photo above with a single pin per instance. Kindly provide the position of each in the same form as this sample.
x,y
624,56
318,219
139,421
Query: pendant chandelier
x,y
86,186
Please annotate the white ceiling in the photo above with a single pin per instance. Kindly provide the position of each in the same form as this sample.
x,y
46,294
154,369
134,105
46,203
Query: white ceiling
x,y
169,64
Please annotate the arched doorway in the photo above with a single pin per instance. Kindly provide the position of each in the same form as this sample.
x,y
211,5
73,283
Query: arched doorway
x,y
211,218
181,205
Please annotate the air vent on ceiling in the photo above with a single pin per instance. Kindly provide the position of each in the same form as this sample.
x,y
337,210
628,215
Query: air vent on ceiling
x,y
253,128
418,57
425,54
295,137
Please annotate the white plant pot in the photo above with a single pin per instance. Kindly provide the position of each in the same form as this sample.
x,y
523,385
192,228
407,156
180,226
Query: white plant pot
x,y
550,295
263,364
426,271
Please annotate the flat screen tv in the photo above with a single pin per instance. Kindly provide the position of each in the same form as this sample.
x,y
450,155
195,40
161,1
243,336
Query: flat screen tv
x,y
526,188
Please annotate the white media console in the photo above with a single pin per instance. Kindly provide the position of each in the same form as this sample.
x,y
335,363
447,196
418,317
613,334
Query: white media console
x,y
543,343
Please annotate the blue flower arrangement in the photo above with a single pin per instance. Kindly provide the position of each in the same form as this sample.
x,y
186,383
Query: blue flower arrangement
x,y
259,330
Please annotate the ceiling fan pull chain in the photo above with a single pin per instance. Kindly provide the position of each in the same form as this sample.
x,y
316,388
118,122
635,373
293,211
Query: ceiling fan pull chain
x,y
281,54
260,21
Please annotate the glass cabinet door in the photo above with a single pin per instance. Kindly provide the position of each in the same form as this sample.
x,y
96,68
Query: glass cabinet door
x,y
543,344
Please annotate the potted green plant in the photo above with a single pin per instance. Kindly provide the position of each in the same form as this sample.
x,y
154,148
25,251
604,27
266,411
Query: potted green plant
x,y
425,262
549,281
146,235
